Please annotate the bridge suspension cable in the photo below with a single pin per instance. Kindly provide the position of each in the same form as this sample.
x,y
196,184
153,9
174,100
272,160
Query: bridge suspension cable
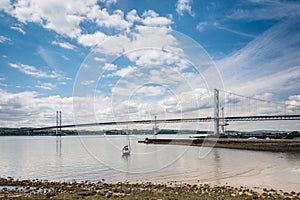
x,y
241,105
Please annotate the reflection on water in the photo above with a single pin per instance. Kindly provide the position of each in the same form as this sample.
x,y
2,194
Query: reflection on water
x,y
58,146
96,157
217,161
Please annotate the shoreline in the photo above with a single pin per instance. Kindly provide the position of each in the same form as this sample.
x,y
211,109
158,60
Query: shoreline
x,y
274,145
37,189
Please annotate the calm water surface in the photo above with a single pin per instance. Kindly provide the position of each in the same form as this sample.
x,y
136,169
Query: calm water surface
x,y
96,157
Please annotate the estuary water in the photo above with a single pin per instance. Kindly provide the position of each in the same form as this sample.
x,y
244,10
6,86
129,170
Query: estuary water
x,y
95,158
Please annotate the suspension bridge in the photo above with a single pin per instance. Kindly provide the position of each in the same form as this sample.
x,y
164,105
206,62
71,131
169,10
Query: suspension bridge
x,y
228,107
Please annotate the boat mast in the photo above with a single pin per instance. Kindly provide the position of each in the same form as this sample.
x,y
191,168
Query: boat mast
x,y
128,137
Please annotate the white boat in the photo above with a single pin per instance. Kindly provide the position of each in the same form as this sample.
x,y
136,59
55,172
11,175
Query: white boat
x,y
126,149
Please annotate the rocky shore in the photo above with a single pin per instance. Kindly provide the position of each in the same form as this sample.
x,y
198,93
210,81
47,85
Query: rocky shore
x,y
36,189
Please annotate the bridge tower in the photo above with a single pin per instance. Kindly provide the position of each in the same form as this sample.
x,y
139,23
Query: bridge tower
x,y
58,123
216,112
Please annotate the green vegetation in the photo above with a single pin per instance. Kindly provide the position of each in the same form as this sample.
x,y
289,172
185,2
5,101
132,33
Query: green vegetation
x,y
24,131
13,131
167,131
293,135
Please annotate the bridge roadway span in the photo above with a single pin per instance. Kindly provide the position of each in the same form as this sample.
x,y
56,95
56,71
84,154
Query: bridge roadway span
x,y
200,119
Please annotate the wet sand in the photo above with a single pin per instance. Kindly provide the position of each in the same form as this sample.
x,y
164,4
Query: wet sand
x,y
36,189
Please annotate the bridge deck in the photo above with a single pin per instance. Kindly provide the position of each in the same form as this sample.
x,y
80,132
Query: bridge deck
x,y
200,119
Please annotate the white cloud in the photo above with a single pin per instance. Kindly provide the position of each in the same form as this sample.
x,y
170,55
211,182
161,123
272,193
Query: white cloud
x,y
3,39
3,84
28,109
63,17
45,86
293,103
64,45
110,67
151,18
5,5
125,71
194,102
92,39
278,82
269,63
184,6
217,25
87,82
168,84
265,96
104,19
267,10
151,90
108,2
132,16
113,46
147,57
99,59
170,101
16,28
201,26
46,55
148,37
33,71
84,65
65,57
116,19
148,101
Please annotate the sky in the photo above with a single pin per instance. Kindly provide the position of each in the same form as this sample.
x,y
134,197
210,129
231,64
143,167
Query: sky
x,y
116,60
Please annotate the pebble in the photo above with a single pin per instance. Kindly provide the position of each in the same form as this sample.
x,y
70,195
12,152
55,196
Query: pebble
x,y
249,194
108,194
